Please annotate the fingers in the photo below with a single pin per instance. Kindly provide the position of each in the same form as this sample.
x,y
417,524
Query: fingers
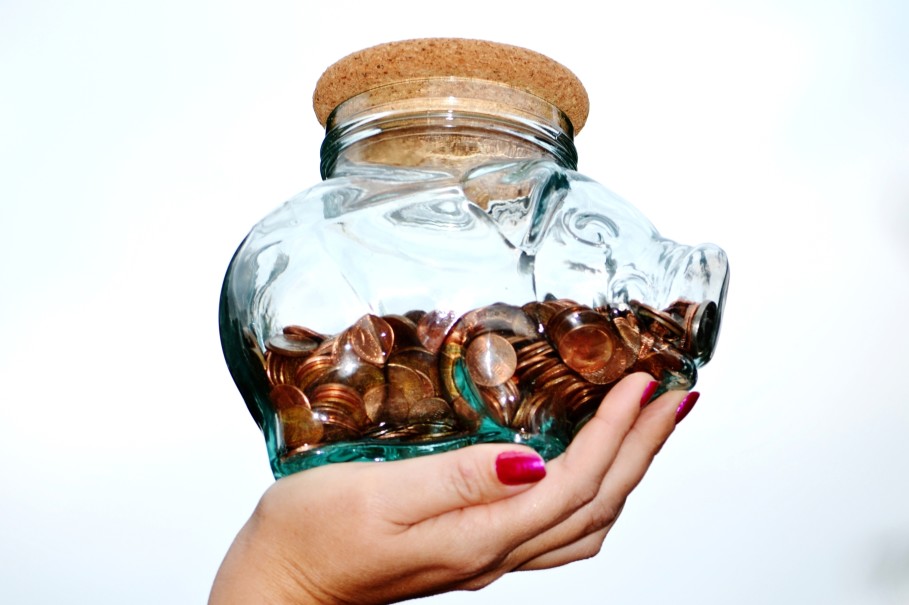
x,y
573,479
481,474
582,535
485,474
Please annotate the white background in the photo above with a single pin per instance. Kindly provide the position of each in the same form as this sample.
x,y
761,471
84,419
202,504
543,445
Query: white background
x,y
140,141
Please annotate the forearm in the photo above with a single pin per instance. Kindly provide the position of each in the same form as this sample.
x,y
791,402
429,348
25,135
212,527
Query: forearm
x,y
250,574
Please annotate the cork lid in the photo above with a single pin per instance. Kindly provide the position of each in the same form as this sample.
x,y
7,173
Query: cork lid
x,y
424,58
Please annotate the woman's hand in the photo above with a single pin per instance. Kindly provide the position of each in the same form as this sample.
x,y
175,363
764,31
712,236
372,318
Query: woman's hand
x,y
378,533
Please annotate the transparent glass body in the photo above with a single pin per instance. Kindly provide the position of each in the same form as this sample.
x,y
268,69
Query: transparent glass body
x,y
454,280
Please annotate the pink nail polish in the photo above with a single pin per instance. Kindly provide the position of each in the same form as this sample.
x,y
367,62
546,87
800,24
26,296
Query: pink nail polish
x,y
518,468
686,406
648,392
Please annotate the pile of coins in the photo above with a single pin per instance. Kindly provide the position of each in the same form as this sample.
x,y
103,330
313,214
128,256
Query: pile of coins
x,y
429,376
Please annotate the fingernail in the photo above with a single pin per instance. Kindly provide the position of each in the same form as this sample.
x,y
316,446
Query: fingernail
x,y
518,468
648,392
686,406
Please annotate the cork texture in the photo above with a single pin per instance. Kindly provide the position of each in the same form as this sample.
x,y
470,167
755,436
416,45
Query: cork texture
x,y
440,57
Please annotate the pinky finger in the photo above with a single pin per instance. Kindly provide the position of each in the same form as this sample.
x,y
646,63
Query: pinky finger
x,y
585,548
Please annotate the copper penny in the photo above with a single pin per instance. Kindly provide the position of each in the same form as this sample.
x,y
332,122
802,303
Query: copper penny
x,y
371,339
430,409
290,346
299,427
405,331
491,360
413,384
284,396
421,360
433,327
584,339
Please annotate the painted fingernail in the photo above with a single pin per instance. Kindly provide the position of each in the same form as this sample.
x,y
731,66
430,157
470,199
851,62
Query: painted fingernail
x,y
686,406
518,468
648,392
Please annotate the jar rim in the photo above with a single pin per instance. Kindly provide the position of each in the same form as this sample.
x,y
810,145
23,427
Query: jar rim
x,y
450,94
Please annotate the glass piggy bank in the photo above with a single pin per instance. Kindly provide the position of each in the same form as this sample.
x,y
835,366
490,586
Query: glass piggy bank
x,y
453,279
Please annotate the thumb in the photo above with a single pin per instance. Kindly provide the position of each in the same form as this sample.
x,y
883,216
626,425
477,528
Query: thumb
x,y
475,475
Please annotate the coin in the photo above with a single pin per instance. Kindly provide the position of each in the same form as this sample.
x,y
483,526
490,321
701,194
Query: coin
x,y
312,372
420,360
423,376
413,384
371,338
584,339
432,328
361,377
660,323
339,399
430,409
502,401
491,360
405,331
294,331
281,369
468,416
374,402
284,396
299,427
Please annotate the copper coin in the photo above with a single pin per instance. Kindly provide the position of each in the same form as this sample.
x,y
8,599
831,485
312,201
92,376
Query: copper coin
x,y
502,401
362,377
290,346
528,373
374,402
626,324
340,398
293,331
397,404
499,317
299,427
327,346
433,327
553,374
405,331
313,372
285,396
662,324
584,339
343,354
543,311
535,413
491,360
533,353
281,369
429,409
421,360
584,403
415,315
679,309
371,339
413,384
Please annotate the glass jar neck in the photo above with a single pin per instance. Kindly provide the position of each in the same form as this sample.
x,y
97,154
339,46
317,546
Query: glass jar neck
x,y
445,124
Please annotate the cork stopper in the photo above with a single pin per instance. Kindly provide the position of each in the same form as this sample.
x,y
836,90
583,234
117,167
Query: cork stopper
x,y
425,58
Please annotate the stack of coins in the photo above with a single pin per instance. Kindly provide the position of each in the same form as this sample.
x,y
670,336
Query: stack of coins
x,y
430,375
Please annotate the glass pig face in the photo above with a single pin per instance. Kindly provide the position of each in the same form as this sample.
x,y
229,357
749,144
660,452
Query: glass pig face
x,y
392,312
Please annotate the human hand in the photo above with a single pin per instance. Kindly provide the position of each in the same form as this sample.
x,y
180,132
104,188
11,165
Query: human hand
x,y
383,532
